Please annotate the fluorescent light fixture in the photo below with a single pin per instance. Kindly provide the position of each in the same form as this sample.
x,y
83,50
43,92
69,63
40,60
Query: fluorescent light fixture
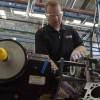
x,y
76,22
88,24
38,15
3,14
19,12
30,14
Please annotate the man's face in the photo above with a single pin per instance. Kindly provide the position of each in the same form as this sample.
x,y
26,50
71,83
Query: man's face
x,y
54,16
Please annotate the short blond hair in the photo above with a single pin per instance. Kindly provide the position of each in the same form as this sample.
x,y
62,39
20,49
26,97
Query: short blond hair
x,y
52,3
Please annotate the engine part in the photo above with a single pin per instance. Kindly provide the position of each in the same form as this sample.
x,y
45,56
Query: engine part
x,y
93,91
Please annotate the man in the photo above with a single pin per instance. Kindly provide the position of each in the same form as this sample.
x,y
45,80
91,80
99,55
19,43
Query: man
x,y
56,39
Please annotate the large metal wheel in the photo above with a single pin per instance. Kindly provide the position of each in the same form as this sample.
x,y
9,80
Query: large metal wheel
x,y
15,64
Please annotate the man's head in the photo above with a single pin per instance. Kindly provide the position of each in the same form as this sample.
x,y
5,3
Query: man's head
x,y
54,13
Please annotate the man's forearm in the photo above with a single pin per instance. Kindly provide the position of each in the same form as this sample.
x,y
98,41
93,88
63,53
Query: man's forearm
x,y
81,49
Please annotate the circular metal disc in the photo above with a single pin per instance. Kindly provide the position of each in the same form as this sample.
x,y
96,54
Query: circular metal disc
x,y
14,66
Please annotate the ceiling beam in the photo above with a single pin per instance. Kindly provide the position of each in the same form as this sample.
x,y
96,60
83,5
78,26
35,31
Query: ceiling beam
x,y
85,3
21,0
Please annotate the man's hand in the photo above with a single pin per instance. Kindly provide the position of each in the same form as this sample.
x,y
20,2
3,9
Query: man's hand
x,y
76,55
54,67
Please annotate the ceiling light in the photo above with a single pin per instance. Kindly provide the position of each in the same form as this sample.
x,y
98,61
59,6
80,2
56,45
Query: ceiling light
x,y
30,14
3,14
88,24
38,15
19,12
76,22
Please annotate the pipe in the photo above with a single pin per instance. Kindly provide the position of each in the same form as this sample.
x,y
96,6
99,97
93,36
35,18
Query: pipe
x,y
16,30
32,6
29,7
20,21
17,36
18,39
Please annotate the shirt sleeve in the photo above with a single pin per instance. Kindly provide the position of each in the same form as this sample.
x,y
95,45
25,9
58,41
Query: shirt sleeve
x,y
77,40
40,43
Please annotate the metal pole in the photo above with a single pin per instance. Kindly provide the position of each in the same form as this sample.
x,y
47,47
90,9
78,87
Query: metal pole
x,y
29,7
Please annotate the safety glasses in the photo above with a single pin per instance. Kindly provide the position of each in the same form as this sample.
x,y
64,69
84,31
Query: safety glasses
x,y
52,16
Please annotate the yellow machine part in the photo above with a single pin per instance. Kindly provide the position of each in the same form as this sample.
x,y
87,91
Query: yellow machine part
x,y
3,54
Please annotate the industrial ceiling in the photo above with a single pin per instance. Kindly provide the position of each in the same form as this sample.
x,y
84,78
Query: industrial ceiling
x,y
82,10
22,15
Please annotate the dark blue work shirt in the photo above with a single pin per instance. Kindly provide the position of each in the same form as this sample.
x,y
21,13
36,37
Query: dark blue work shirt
x,y
55,43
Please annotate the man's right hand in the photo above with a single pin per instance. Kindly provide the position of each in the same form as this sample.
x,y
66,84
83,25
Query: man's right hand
x,y
53,65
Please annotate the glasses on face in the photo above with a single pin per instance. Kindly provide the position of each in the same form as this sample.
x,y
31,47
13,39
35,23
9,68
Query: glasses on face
x,y
52,16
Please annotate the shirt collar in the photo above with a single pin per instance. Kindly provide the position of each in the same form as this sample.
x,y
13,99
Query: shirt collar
x,y
62,27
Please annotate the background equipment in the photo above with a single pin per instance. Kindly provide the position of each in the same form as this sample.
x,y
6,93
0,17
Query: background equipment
x,y
85,81
22,78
